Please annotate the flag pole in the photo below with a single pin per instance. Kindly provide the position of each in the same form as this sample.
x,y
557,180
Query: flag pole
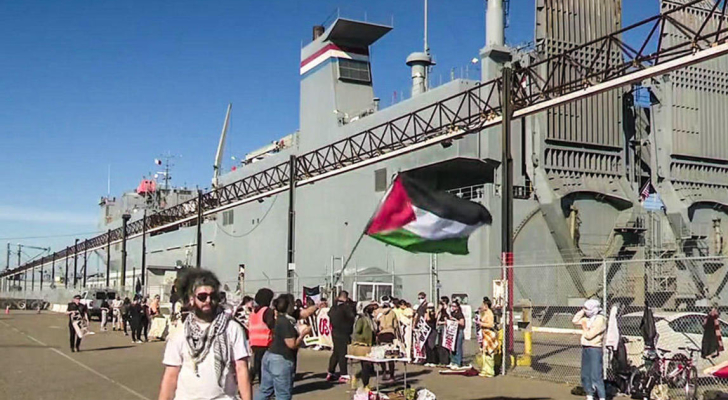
x,y
346,262
363,232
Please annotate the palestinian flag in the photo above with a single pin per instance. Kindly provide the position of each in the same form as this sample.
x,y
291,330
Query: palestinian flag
x,y
418,219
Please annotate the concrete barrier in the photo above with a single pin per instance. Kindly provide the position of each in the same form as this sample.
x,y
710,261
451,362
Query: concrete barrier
x,y
59,308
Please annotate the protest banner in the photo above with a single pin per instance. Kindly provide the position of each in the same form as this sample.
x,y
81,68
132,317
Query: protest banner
x,y
468,314
450,333
321,327
421,333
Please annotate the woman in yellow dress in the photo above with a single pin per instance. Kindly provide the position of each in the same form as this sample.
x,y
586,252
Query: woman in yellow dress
x,y
490,338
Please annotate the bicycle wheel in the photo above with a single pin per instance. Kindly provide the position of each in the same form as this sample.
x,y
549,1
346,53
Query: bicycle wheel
x,y
691,384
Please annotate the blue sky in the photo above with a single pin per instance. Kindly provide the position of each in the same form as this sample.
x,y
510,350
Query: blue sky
x,y
86,85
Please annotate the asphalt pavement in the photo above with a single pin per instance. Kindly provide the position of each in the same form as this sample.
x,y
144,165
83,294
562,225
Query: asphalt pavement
x,y
37,364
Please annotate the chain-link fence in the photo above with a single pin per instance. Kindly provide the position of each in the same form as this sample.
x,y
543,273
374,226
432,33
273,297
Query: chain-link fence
x,y
679,291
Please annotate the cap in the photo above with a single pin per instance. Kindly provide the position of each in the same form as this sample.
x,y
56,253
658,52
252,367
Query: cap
x,y
430,305
78,296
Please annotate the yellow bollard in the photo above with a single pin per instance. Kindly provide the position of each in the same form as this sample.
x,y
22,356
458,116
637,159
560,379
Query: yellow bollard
x,y
524,360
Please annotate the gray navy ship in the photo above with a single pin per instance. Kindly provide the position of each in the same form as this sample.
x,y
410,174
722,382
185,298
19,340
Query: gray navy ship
x,y
631,174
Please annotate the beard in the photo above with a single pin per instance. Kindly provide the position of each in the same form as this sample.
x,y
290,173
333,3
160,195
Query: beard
x,y
206,315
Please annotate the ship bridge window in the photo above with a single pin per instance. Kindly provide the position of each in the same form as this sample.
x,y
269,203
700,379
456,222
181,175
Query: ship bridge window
x,y
228,218
354,70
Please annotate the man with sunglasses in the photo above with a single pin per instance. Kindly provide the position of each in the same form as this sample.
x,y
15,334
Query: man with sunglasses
x,y
208,358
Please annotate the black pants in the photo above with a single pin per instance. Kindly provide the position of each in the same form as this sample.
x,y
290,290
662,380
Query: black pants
x,y
367,370
74,340
258,353
430,354
341,342
145,329
136,330
443,355
125,321
385,338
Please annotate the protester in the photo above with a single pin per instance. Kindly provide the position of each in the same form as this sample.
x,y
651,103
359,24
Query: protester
x,y
146,320
364,335
135,319
456,314
388,327
76,312
443,314
421,306
208,359
116,312
280,359
431,341
154,307
490,338
593,325
174,298
342,316
124,310
105,307
261,324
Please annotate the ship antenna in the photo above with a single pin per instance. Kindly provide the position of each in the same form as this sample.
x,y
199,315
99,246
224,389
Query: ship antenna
x,y
427,46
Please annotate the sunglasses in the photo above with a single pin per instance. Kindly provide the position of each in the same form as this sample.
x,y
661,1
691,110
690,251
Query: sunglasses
x,y
204,296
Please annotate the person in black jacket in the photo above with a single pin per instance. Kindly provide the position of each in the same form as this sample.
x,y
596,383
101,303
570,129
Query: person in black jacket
x,y
76,311
342,316
135,318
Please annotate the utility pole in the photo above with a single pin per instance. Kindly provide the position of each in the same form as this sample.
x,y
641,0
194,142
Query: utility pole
x,y
7,258
108,256
85,261
53,270
198,263
125,220
20,247
507,208
144,249
291,268
75,263
65,277
42,260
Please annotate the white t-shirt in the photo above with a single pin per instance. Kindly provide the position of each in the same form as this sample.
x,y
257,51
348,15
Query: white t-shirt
x,y
189,386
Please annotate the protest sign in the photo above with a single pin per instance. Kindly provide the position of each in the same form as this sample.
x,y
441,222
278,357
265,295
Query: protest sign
x,y
449,335
421,333
321,327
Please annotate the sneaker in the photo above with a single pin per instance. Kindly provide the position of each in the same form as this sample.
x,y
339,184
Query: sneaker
x,y
330,377
453,366
344,379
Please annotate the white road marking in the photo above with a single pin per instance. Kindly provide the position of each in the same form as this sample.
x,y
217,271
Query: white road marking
x,y
80,364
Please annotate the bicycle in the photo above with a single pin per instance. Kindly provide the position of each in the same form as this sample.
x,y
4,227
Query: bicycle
x,y
662,373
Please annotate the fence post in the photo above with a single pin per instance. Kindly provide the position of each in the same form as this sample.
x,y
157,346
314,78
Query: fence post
x,y
605,354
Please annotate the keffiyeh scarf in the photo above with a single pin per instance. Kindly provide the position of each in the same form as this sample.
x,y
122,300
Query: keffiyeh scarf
x,y
213,337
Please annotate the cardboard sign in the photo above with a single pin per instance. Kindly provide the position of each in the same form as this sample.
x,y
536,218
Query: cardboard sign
x,y
321,327
450,333
468,314
422,331
81,327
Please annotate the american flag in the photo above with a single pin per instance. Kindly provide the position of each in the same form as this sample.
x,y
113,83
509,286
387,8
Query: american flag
x,y
645,192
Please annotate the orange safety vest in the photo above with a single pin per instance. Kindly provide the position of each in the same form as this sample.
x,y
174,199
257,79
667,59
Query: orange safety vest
x,y
260,334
